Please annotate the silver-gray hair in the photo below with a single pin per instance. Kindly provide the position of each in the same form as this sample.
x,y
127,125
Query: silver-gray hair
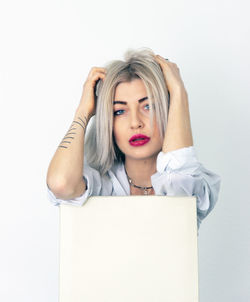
x,y
100,148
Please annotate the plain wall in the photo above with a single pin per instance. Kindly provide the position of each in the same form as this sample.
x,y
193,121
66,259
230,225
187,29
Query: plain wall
x,y
47,49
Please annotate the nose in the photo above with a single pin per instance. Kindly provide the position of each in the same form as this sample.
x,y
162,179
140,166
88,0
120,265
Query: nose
x,y
136,120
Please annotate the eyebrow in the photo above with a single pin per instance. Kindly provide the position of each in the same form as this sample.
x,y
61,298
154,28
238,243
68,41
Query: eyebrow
x,y
125,103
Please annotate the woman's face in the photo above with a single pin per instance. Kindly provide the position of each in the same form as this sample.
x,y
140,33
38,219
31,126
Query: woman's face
x,y
132,117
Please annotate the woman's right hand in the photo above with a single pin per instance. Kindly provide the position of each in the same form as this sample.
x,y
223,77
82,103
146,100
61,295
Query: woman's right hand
x,y
88,98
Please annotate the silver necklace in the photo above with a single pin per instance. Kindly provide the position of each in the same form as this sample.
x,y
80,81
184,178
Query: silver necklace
x,y
139,187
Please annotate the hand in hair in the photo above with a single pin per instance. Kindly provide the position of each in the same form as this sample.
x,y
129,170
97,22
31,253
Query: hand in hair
x,y
172,76
178,132
88,98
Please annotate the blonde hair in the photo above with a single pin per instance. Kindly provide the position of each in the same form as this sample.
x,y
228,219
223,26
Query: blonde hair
x,y
100,148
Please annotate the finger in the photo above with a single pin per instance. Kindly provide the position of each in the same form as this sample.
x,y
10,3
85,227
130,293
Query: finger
x,y
161,58
95,73
93,77
163,61
98,75
98,69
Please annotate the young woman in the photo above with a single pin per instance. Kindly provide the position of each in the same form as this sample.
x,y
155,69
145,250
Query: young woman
x,y
139,141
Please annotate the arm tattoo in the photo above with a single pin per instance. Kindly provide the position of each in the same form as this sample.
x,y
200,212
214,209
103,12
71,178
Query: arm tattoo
x,y
82,123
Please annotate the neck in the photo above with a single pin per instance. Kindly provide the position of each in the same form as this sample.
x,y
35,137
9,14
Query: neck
x,y
141,170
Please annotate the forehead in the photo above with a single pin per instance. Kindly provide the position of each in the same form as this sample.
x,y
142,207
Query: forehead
x,y
129,91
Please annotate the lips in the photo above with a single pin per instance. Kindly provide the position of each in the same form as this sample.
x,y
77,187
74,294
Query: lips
x,y
139,140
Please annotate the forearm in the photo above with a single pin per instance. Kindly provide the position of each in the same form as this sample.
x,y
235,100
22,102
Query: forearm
x,y
178,131
65,171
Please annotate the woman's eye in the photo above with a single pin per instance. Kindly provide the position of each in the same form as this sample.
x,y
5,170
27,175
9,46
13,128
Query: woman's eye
x,y
146,106
118,112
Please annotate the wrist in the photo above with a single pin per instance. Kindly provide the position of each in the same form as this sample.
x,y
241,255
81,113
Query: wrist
x,y
179,91
179,95
83,113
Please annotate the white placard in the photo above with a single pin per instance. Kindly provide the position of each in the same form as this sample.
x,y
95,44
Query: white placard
x,y
129,249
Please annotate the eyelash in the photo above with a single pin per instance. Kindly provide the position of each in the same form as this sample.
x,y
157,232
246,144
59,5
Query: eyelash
x,y
123,110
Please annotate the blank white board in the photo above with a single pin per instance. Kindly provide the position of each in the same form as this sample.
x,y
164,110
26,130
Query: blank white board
x,y
129,249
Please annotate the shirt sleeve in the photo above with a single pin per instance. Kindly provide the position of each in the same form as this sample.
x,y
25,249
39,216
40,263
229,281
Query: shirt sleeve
x,y
96,185
180,173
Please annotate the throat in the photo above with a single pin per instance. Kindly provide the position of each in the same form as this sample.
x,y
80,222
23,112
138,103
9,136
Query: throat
x,y
140,170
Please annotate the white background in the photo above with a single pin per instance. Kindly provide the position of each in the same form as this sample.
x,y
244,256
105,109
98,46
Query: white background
x,y
47,49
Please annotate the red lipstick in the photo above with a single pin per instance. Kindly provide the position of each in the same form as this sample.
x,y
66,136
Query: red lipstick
x,y
138,140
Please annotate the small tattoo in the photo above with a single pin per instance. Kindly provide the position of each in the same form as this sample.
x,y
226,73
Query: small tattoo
x,y
79,124
84,122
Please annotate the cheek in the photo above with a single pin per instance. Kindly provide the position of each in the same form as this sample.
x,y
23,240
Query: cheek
x,y
157,132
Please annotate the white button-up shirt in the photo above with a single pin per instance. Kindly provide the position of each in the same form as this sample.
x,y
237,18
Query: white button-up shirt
x,y
179,173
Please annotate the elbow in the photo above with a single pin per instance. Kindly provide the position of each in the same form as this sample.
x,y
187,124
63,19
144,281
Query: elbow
x,y
60,189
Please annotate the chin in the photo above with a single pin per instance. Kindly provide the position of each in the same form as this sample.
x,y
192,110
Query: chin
x,y
141,154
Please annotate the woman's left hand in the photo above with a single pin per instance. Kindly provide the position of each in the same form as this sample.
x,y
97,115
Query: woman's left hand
x,y
172,76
